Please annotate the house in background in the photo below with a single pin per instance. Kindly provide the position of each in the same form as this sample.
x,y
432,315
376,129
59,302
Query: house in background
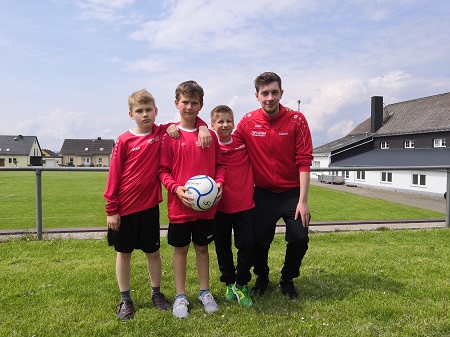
x,y
410,133
87,152
20,151
51,159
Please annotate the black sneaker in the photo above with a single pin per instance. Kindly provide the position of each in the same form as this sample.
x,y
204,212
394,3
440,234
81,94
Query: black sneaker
x,y
288,289
160,301
260,286
125,310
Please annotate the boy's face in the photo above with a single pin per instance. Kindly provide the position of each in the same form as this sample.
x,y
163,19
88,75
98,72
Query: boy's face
x,y
224,124
144,115
189,107
269,97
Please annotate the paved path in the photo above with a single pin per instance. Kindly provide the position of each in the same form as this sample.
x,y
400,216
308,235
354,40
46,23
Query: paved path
x,y
417,200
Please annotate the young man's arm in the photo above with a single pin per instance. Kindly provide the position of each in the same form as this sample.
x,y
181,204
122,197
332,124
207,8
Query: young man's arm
x,y
302,206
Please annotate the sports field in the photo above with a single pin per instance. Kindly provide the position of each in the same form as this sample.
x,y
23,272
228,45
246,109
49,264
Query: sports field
x,y
75,199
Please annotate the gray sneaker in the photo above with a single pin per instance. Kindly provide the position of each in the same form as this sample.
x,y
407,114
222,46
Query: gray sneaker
x,y
180,307
208,302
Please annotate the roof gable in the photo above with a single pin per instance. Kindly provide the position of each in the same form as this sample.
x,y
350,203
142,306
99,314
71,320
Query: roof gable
x,y
16,145
421,115
82,147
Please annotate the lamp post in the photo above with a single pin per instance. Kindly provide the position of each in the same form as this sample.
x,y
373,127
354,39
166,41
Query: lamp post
x,y
298,105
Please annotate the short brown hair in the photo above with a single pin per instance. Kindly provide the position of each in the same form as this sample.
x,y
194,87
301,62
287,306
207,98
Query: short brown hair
x,y
265,79
189,89
220,109
141,97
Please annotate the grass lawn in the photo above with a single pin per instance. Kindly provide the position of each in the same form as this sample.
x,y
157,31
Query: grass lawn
x,y
75,199
380,283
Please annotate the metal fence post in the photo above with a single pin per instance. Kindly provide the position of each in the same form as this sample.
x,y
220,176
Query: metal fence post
x,y
39,203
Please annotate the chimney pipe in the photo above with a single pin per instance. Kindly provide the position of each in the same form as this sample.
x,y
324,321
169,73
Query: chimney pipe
x,y
376,120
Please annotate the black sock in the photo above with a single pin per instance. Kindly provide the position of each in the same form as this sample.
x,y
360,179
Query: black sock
x,y
125,295
156,291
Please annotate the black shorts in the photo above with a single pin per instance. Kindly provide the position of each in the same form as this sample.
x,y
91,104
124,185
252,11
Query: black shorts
x,y
200,232
138,230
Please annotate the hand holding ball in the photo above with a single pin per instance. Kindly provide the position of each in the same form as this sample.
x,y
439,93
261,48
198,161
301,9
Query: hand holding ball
x,y
204,191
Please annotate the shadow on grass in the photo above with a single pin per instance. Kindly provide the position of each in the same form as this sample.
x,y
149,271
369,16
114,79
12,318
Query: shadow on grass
x,y
325,287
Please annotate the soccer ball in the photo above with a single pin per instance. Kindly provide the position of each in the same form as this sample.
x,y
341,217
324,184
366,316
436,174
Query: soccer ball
x,y
204,190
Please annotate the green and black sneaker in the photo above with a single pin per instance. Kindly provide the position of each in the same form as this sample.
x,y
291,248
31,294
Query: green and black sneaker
x,y
229,294
242,295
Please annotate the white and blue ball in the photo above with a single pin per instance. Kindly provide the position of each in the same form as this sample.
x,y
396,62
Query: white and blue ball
x,y
204,190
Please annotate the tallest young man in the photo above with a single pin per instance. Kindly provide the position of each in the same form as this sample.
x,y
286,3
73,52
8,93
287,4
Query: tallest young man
x,y
280,148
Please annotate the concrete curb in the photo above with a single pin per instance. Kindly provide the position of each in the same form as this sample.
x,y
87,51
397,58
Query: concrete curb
x,y
341,226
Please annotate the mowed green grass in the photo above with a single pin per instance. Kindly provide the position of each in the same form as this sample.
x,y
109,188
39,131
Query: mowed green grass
x,y
392,283
75,199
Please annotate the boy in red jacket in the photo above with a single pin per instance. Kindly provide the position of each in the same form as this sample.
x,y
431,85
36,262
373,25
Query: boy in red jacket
x,y
235,210
181,159
133,194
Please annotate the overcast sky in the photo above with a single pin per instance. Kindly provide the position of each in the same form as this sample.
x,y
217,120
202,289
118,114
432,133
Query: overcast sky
x,y
68,67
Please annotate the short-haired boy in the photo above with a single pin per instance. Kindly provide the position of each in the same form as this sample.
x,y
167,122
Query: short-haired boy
x,y
133,194
181,159
235,210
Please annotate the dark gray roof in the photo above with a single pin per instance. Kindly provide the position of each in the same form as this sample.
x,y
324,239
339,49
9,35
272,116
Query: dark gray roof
x,y
421,115
17,145
340,143
80,147
398,157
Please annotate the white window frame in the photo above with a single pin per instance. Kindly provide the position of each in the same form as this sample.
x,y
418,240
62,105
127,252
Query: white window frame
x,y
346,174
409,144
360,175
440,142
384,145
418,177
386,177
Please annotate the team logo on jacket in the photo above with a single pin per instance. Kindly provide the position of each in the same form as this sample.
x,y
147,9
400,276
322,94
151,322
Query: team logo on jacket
x,y
283,133
137,148
153,140
259,133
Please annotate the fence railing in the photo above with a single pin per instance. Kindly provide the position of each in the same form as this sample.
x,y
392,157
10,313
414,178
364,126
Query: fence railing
x,y
331,170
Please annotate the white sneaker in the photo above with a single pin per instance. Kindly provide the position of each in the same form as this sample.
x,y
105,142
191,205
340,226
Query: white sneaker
x,y
208,302
180,307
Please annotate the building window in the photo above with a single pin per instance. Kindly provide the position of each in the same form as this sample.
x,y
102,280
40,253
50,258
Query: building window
x,y
409,144
316,163
346,174
419,179
386,177
100,160
71,160
384,145
361,175
441,142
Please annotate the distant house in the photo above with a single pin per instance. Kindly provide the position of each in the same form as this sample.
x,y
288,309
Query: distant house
x,y
410,133
20,151
50,158
87,152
